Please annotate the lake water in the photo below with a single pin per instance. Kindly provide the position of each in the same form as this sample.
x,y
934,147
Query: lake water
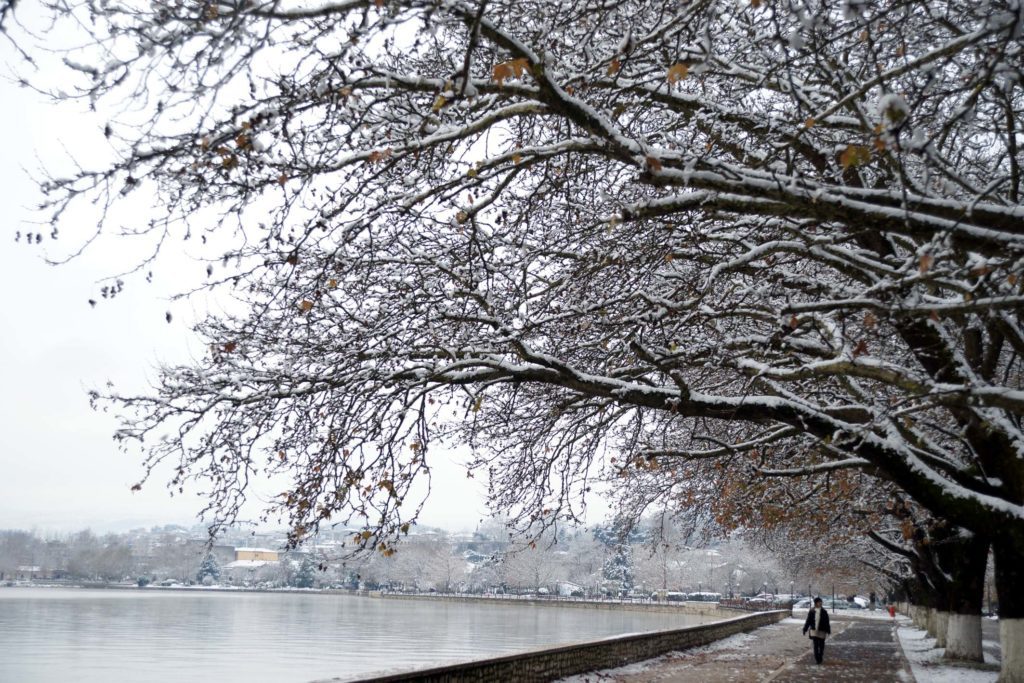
x,y
57,635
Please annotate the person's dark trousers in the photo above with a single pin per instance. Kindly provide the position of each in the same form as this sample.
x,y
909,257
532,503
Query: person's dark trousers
x,y
819,649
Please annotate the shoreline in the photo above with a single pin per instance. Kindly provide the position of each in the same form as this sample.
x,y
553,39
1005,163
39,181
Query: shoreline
x,y
694,608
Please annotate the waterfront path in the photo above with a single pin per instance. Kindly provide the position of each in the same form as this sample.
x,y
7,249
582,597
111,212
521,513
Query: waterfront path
x,y
859,651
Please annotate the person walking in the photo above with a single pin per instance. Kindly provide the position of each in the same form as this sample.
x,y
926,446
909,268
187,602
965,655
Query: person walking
x,y
818,628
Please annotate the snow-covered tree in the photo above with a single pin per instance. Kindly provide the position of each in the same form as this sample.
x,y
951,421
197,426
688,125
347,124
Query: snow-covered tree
x,y
619,538
209,570
305,576
533,565
678,230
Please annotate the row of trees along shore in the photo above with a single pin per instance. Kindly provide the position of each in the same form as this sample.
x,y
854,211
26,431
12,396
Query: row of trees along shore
x,y
595,562
758,258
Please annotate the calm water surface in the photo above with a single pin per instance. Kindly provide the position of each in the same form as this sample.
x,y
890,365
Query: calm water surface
x,y
57,635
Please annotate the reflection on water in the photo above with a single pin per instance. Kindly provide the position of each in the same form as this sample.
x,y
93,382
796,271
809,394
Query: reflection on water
x,y
56,635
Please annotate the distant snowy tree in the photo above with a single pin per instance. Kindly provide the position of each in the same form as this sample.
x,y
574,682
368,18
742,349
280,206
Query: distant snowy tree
x,y
573,233
305,577
619,537
533,565
209,570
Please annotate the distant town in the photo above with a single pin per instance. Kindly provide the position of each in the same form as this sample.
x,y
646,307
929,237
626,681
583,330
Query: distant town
x,y
593,562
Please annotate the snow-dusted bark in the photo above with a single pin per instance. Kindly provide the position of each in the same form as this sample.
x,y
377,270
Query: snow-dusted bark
x,y
941,624
963,637
1009,579
1011,638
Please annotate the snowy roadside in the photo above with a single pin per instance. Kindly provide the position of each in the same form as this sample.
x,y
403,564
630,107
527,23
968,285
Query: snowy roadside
x,y
929,667
748,657
737,642
770,652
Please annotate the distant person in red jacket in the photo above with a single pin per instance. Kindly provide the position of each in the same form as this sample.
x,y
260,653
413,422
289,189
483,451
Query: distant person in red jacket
x,y
818,628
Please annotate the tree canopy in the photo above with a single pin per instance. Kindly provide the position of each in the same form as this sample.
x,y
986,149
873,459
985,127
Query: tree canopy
x,y
563,232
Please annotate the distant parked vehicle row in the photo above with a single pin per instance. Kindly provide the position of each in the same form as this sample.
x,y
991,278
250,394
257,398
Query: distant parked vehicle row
x,y
677,596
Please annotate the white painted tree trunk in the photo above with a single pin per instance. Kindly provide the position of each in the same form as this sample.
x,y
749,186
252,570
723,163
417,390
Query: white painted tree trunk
x,y
1011,637
963,637
930,622
941,626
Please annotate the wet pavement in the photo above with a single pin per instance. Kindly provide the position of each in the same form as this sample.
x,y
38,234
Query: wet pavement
x,y
857,651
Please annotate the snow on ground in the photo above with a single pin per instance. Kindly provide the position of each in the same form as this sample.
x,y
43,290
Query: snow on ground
x,y
740,641
928,665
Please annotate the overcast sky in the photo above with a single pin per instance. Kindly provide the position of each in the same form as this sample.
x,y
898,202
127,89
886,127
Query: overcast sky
x,y
59,467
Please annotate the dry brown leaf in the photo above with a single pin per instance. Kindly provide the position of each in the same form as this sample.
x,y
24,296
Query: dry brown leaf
x,y
514,68
925,263
678,72
854,155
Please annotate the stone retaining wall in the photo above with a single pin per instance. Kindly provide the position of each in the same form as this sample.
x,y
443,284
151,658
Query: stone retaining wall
x,y
550,664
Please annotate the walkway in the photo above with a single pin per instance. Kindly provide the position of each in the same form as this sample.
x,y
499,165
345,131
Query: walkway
x,y
859,651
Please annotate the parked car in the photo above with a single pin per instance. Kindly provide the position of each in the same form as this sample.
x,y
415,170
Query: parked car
x,y
803,603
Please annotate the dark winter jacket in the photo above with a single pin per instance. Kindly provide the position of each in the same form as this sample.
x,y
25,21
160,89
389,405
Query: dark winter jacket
x,y
823,627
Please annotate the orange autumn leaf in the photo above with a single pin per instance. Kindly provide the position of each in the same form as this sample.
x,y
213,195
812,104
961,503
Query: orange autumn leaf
x,y
305,305
378,155
925,263
514,68
654,164
614,66
678,72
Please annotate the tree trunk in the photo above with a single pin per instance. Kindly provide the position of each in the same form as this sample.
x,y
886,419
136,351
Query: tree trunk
x,y
942,621
961,557
963,637
1008,547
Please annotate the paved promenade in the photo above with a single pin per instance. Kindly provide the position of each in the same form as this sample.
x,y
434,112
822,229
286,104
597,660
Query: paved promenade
x,y
859,651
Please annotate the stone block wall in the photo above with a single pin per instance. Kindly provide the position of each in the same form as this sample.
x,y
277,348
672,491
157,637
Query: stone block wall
x,y
550,664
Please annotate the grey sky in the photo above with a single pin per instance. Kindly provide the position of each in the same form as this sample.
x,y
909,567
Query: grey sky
x,y
59,467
